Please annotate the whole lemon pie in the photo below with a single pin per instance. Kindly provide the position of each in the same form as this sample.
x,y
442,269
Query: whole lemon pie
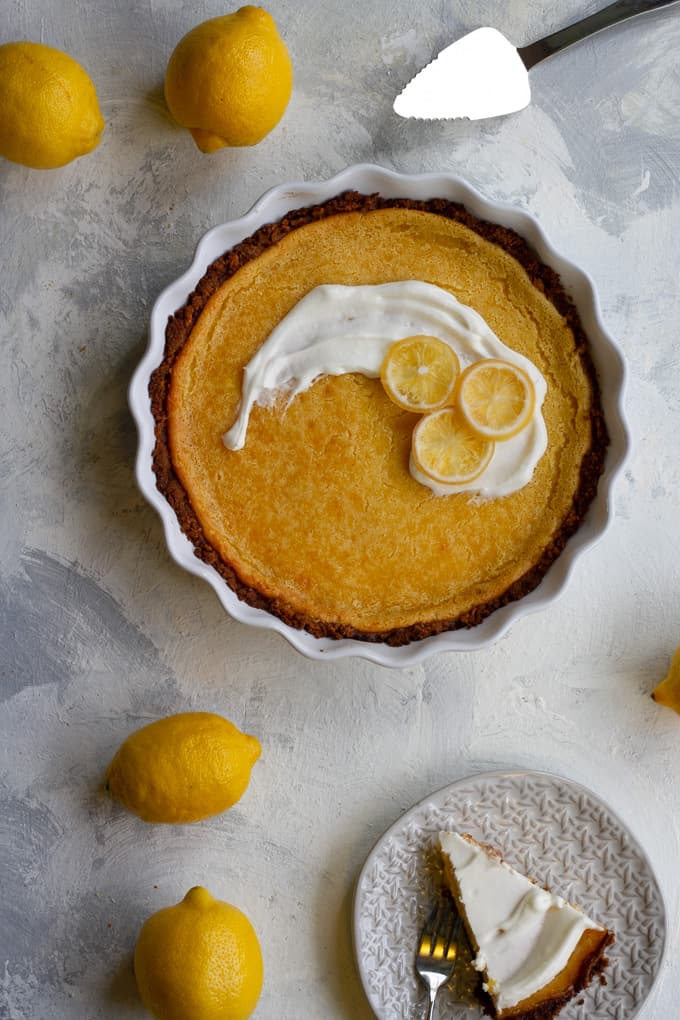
x,y
378,418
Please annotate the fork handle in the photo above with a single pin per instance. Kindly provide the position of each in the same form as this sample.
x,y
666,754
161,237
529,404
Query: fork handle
x,y
430,1006
611,15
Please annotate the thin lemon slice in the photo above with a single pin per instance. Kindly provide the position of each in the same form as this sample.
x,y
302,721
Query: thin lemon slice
x,y
496,398
419,373
447,450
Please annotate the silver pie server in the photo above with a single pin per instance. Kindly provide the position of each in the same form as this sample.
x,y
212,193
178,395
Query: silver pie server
x,y
483,75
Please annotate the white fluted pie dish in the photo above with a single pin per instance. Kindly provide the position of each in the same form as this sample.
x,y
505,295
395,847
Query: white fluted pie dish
x,y
605,353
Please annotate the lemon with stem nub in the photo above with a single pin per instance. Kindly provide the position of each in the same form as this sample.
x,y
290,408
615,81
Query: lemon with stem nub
x,y
667,692
49,109
199,960
182,768
229,79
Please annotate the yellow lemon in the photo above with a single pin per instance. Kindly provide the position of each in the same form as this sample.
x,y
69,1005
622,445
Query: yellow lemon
x,y
229,79
667,692
49,110
199,960
182,768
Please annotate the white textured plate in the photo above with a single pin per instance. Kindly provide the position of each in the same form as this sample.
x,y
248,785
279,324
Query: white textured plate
x,y
547,827
606,355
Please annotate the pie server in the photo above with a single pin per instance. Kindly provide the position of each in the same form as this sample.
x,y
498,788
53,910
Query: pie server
x,y
484,75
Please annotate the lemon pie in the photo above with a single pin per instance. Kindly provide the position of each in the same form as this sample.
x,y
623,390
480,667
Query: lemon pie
x,y
534,950
297,477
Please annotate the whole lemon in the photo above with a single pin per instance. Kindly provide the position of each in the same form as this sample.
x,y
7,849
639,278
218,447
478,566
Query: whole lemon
x,y
49,114
229,79
182,768
667,692
199,960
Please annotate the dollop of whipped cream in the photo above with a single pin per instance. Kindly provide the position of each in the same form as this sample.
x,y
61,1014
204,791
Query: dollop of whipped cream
x,y
336,329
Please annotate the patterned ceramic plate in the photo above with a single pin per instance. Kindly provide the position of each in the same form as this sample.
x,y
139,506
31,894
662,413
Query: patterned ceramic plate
x,y
548,827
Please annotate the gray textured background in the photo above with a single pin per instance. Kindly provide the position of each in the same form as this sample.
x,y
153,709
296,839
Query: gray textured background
x,y
101,633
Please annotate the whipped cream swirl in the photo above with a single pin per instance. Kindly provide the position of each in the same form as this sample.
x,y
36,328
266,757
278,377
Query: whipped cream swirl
x,y
336,329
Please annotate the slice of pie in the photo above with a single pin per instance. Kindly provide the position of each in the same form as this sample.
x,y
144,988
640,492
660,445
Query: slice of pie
x,y
535,950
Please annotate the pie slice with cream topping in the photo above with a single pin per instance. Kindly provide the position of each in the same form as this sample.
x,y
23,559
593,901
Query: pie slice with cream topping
x,y
535,950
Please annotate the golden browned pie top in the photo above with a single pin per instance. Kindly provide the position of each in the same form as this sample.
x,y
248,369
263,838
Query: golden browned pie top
x,y
317,518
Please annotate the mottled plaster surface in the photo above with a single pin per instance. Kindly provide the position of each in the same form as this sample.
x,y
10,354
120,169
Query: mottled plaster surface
x,y
100,632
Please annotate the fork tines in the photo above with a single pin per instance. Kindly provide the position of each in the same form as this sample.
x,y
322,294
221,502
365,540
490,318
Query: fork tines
x,y
438,940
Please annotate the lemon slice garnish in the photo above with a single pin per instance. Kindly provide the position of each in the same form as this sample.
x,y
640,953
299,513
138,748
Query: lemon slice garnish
x,y
446,449
496,398
419,373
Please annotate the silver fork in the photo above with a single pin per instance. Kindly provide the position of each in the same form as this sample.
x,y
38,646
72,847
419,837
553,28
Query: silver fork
x,y
437,951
